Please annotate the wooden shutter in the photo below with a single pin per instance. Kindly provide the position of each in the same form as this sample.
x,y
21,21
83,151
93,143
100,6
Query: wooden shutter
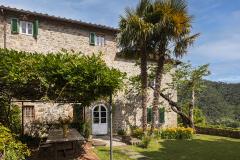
x,y
92,38
149,115
35,28
15,26
161,115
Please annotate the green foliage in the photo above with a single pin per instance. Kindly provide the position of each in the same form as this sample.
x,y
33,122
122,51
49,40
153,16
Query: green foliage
x,y
15,117
11,148
121,132
220,103
219,127
198,116
10,115
57,76
187,78
146,140
87,130
177,133
83,128
137,132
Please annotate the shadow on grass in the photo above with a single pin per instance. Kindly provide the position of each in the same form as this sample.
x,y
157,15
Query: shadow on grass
x,y
103,153
196,149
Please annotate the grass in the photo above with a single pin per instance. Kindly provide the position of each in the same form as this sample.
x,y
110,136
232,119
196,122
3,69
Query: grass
x,y
202,147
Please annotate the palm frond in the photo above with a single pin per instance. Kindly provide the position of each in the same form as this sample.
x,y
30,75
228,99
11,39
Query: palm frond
x,y
182,44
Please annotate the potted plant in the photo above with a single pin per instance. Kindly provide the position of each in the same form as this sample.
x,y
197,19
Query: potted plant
x,y
65,121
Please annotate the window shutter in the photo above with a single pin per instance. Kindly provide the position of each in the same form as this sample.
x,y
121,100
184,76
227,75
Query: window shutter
x,y
35,28
161,115
14,26
149,115
92,38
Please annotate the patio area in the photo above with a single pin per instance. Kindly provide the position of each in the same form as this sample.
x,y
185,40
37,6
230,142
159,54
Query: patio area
x,y
58,147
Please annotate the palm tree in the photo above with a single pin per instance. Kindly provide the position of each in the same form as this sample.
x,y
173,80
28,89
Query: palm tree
x,y
172,27
134,35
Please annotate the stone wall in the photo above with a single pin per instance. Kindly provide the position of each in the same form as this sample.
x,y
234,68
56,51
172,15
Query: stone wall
x,y
55,35
49,112
1,31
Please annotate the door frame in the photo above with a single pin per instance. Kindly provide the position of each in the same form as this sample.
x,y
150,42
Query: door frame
x,y
106,108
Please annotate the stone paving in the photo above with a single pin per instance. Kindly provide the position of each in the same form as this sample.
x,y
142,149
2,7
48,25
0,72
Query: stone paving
x,y
104,141
134,155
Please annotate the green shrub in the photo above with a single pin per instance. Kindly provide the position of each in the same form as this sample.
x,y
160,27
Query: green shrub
x,y
177,133
10,115
83,128
11,148
121,132
137,133
87,130
145,141
219,127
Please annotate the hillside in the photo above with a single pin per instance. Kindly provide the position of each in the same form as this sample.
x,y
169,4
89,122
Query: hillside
x,y
220,102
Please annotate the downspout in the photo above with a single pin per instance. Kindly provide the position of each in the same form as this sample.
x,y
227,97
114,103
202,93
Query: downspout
x,y
4,29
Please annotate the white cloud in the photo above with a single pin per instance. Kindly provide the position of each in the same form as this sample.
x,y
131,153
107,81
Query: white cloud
x,y
218,50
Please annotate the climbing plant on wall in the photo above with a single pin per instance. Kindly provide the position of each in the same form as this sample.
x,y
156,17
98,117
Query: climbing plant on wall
x,y
63,76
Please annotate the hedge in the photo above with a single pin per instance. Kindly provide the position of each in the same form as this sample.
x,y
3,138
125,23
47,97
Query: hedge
x,y
177,133
218,132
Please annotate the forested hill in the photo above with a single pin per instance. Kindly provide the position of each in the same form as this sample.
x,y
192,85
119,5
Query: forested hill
x,y
220,102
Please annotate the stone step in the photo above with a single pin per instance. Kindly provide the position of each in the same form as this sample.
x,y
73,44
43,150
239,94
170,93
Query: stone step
x,y
98,143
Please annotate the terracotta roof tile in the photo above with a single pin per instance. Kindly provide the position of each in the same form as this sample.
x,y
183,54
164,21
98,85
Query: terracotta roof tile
x,y
44,15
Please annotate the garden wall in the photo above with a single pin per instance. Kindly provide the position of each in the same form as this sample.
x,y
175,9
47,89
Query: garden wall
x,y
218,132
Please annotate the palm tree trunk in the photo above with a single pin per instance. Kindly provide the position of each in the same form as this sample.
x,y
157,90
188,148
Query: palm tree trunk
x,y
158,80
191,109
144,85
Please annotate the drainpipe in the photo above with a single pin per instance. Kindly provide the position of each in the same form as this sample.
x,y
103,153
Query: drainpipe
x,y
4,29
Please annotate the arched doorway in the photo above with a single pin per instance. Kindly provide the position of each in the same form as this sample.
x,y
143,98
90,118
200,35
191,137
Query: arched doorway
x,y
99,120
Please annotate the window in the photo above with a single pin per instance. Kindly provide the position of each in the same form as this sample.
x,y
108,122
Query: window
x,y
28,112
26,27
96,40
99,114
100,40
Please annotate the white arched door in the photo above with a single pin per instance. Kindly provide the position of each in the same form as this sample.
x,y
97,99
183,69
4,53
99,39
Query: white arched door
x,y
99,120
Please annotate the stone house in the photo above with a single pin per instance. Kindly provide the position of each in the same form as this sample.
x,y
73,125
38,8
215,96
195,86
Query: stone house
x,y
31,31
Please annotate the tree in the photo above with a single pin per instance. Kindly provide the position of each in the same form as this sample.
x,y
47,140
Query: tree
x,y
172,29
134,36
189,81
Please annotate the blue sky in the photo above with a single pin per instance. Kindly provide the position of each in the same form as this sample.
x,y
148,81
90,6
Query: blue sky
x,y
218,21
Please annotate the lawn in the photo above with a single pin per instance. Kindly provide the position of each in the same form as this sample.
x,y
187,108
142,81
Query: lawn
x,y
202,147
